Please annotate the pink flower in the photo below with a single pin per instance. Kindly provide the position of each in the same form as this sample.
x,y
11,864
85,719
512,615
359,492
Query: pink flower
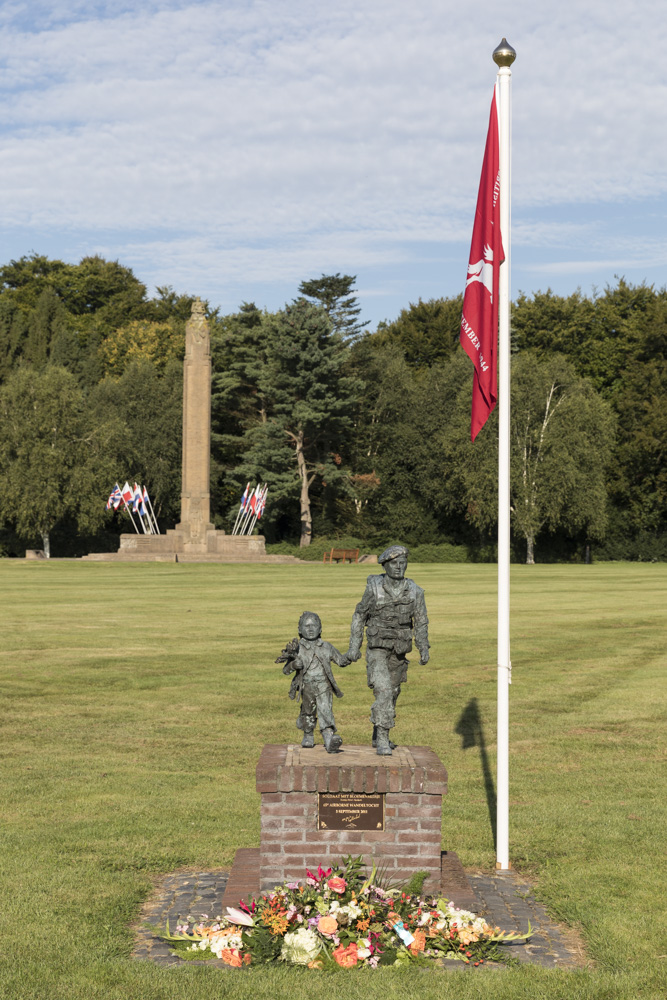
x,y
337,884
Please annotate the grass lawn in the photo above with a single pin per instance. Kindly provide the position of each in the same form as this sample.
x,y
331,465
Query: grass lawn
x,y
136,699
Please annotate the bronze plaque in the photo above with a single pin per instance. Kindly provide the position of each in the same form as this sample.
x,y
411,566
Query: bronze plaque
x,y
350,811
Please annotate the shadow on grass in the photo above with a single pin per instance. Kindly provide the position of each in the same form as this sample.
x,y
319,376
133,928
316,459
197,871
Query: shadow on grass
x,y
470,729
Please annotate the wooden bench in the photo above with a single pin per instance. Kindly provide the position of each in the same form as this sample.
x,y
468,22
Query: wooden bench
x,y
338,555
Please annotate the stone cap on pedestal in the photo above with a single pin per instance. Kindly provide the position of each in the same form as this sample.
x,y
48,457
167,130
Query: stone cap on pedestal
x,y
290,768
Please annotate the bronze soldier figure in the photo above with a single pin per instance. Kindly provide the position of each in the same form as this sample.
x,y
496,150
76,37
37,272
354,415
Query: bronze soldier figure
x,y
311,658
391,609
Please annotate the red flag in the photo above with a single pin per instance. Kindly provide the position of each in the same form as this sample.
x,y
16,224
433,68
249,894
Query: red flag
x,y
479,322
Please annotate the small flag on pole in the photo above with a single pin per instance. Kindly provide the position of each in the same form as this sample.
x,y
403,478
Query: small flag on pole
x,y
127,493
136,501
479,322
262,502
114,498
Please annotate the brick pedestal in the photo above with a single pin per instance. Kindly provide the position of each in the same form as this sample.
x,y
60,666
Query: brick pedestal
x,y
405,791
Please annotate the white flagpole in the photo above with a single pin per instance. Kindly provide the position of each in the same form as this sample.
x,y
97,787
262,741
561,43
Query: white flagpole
x,y
247,514
262,495
130,513
240,511
152,512
504,55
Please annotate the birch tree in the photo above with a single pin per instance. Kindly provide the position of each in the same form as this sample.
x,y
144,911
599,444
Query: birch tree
x,y
562,434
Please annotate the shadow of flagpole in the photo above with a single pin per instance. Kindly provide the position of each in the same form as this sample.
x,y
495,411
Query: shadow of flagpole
x,y
470,729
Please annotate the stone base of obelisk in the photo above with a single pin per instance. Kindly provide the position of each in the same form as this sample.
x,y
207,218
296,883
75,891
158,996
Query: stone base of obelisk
x,y
318,807
178,545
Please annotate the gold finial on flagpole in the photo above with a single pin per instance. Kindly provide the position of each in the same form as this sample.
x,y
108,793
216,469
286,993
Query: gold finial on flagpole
x,y
504,54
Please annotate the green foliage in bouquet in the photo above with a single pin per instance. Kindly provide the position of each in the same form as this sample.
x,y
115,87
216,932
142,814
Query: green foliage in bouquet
x,y
340,917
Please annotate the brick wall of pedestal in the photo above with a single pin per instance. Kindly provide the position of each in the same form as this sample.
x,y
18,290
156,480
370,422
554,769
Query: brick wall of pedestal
x,y
290,779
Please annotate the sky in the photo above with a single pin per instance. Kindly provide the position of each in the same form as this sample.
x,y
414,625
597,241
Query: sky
x,y
231,149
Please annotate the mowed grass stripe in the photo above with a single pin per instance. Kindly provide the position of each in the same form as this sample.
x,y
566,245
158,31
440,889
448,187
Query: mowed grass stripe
x,y
136,699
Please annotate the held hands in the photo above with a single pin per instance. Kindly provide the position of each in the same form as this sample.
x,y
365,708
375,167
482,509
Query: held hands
x,y
352,655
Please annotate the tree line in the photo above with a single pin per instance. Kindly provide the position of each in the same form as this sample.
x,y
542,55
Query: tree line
x,y
359,433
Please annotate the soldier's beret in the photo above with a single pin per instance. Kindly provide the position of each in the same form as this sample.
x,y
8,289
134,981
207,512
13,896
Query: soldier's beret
x,y
392,552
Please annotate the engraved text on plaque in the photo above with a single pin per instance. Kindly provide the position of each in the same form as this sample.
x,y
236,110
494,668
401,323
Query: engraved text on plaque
x,y
350,811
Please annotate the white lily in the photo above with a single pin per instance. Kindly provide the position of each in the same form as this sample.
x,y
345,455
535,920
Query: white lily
x,y
239,917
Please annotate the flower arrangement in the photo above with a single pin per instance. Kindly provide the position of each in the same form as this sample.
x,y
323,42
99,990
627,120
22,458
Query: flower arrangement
x,y
337,917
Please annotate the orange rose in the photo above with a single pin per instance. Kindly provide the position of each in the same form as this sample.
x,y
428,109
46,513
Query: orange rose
x,y
346,957
419,942
337,884
327,925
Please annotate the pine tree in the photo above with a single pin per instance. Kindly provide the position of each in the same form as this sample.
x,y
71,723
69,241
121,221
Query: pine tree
x,y
334,293
306,408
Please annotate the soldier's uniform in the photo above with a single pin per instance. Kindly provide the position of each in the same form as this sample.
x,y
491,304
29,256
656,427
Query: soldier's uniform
x,y
390,610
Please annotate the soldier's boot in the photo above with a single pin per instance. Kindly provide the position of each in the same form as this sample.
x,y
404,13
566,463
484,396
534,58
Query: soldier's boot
x,y
374,742
332,741
382,742
307,742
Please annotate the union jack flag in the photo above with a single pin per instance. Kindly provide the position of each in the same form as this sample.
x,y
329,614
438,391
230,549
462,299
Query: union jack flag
x,y
115,498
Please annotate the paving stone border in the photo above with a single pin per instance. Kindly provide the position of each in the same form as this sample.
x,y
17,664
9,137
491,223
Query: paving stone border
x,y
505,899
182,894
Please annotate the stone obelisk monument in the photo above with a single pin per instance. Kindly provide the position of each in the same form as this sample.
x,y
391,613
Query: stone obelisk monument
x,y
194,539
195,488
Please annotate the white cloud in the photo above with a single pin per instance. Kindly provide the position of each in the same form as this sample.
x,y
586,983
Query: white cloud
x,y
272,135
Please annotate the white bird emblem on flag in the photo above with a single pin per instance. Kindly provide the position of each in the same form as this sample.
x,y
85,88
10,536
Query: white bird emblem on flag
x,y
482,271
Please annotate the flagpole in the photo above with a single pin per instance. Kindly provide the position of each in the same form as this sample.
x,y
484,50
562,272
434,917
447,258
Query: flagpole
x,y
262,494
150,506
248,512
130,513
241,509
503,56
153,520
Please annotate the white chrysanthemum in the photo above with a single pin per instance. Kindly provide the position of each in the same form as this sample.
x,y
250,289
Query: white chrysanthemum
x,y
300,947
353,911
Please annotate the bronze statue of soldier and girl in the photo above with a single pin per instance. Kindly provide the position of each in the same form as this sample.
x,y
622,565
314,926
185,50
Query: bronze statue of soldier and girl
x,y
393,612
